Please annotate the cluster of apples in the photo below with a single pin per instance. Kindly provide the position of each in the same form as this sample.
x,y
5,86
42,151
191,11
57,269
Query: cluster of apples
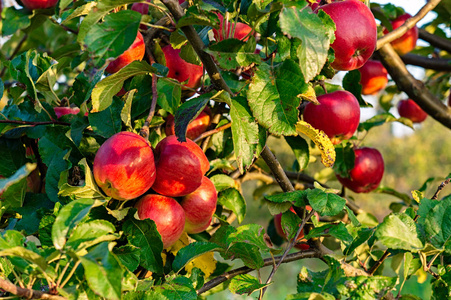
x,y
182,198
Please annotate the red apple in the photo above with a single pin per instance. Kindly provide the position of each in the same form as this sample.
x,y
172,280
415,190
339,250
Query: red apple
x,y
61,111
367,172
199,206
180,69
338,115
195,128
314,5
143,9
180,167
300,241
124,166
134,52
374,77
355,34
408,41
410,110
236,30
167,214
39,4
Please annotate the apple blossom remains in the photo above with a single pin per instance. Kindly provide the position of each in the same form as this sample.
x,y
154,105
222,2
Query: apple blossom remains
x,y
129,127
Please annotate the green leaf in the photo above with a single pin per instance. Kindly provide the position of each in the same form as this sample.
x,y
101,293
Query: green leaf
x,y
273,96
177,289
399,232
326,204
351,83
68,217
223,182
249,254
195,16
300,149
352,217
360,236
297,198
232,199
381,119
190,252
129,256
103,272
338,231
126,112
89,231
245,284
102,94
310,296
437,225
187,112
245,133
144,235
232,53
315,31
88,190
345,159
26,254
107,122
12,189
249,234
367,287
14,20
114,35
169,95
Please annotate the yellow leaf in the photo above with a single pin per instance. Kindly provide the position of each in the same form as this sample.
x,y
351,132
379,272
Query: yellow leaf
x,y
321,140
310,95
182,242
421,275
206,262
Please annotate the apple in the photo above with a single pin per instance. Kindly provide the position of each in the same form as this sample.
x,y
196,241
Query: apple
x,y
367,172
180,167
124,166
239,30
143,9
199,206
180,69
355,34
195,128
39,4
134,52
338,115
167,214
300,241
410,110
373,77
408,41
61,111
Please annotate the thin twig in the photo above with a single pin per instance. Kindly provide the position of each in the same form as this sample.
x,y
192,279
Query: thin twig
x,y
440,188
211,132
26,293
144,132
408,24
373,269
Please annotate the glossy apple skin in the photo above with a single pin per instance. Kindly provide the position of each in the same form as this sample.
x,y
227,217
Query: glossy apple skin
x,y
180,167
367,172
199,206
239,30
374,77
167,214
39,4
338,115
355,34
134,52
408,41
124,166
195,128
61,111
410,110
180,69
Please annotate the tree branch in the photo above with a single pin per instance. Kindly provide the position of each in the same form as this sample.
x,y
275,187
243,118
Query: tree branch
x,y
408,24
211,132
26,293
440,188
277,170
311,253
435,40
438,64
415,89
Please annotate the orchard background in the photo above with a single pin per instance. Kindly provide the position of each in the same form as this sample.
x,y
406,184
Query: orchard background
x,y
256,70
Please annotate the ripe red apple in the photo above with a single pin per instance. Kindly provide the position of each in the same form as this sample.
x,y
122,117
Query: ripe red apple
x,y
124,166
180,167
167,214
39,4
199,206
410,110
367,172
180,69
338,115
408,41
195,128
236,30
355,34
300,241
134,52
61,111
374,77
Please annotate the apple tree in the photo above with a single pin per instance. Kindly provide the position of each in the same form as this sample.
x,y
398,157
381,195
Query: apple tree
x,y
128,128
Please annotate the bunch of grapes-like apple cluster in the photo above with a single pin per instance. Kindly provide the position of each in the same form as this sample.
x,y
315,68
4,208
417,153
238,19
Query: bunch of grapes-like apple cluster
x,y
181,197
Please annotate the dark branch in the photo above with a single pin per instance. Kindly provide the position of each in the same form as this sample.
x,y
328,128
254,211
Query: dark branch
x,y
277,170
435,40
438,64
211,132
415,89
26,293
440,188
